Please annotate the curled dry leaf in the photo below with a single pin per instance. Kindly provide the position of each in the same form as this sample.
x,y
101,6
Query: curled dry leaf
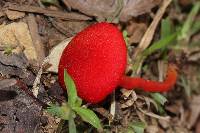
x,y
17,35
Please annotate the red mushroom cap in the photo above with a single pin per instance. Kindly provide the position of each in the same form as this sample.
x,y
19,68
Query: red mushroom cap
x,y
96,60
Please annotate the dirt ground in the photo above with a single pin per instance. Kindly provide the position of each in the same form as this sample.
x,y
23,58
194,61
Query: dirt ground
x,y
33,34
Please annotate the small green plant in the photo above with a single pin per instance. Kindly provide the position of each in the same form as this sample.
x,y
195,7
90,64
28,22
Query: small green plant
x,y
70,109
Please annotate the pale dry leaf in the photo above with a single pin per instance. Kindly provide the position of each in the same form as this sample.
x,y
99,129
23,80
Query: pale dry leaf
x,y
17,35
128,103
12,15
55,55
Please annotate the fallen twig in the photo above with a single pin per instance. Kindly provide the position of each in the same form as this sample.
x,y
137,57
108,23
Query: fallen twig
x,y
51,13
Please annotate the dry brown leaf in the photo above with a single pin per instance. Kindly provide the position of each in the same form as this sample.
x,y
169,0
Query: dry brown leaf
x,y
17,35
133,8
12,15
136,31
103,9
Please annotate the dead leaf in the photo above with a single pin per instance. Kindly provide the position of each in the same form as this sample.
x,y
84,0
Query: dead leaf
x,y
136,31
17,35
55,55
134,8
103,9
17,60
12,15
7,83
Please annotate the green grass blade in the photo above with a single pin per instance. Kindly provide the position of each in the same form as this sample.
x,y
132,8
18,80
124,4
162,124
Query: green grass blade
x,y
189,22
160,44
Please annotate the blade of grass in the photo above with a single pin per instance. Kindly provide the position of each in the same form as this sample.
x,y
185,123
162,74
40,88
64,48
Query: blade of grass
x,y
189,21
160,44
155,46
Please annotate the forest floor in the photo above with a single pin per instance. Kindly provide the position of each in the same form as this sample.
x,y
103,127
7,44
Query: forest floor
x,y
34,32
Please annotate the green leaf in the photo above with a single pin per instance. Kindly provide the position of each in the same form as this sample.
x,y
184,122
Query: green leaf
x,y
71,89
78,102
59,111
189,22
88,116
72,126
159,98
138,127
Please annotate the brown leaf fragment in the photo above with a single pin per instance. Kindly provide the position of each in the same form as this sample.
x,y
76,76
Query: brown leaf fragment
x,y
104,9
104,113
136,31
134,8
12,15
7,83
18,35
39,46
16,60
101,9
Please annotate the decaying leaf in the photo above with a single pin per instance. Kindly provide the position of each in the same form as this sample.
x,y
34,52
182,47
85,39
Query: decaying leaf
x,y
134,8
17,35
103,9
12,15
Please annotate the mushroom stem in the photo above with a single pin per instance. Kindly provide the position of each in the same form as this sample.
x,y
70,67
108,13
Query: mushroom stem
x,y
151,86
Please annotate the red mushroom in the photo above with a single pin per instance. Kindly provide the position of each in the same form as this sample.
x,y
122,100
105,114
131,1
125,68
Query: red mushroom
x,y
96,58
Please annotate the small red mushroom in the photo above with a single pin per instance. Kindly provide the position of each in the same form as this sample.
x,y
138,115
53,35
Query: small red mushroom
x,y
96,59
